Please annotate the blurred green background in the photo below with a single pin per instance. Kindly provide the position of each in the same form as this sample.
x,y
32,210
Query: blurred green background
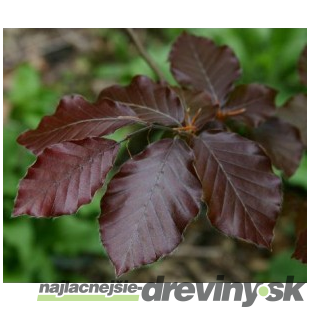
x,y
42,65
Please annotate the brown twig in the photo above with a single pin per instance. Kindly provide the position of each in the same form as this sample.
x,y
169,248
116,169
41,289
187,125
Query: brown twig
x,y
144,54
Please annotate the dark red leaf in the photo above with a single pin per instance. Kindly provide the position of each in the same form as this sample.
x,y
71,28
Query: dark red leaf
x,y
300,252
242,193
294,111
198,104
76,119
302,66
254,102
64,177
282,143
299,205
148,205
199,63
152,102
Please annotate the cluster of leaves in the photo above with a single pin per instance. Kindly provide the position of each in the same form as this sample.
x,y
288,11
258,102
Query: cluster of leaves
x,y
158,192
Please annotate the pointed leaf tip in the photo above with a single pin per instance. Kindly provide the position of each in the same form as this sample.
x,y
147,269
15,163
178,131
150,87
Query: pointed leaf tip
x,y
77,119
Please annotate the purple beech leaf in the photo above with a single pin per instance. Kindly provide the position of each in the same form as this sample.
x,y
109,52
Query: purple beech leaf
x,y
64,177
282,143
148,205
257,101
300,252
76,119
201,64
152,102
242,193
199,105
294,111
302,66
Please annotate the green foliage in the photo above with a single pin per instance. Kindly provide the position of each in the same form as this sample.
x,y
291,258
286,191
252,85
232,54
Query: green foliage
x,y
281,266
29,97
300,176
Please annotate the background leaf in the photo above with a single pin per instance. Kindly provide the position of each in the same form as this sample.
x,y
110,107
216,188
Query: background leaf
x,y
148,204
281,141
26,84
302,66
300,252
294,111
257,101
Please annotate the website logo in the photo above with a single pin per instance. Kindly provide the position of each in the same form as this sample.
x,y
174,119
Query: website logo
x,y
246,293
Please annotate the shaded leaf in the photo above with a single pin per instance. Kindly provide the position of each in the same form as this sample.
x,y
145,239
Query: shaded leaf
x,y
294,111
300,252
254,102
198,104
300,209
242,193
302,66
152,102
215,125
76,119
64,177
199,63
282,143
148,205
